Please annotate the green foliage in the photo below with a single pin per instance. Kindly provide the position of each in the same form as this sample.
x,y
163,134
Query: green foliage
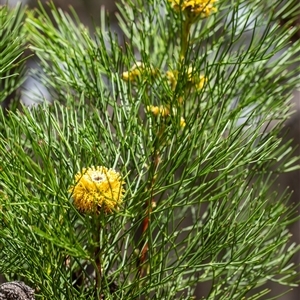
x,y
12,47
205,190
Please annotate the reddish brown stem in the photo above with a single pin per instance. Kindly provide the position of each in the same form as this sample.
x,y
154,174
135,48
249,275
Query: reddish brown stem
x,y
97,254
144,250
98,264
147,219
143,254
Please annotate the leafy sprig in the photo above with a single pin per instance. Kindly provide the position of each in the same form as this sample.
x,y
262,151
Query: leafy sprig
x,y
12,47
198,205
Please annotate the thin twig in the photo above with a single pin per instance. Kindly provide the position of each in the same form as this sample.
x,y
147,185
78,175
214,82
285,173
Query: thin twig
x,y
147,219
98,259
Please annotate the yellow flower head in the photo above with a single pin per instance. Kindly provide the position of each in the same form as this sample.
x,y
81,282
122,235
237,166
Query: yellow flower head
x,y
96,189
203,8
172,77
198,81
158,110
137,71
182,122
192,78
